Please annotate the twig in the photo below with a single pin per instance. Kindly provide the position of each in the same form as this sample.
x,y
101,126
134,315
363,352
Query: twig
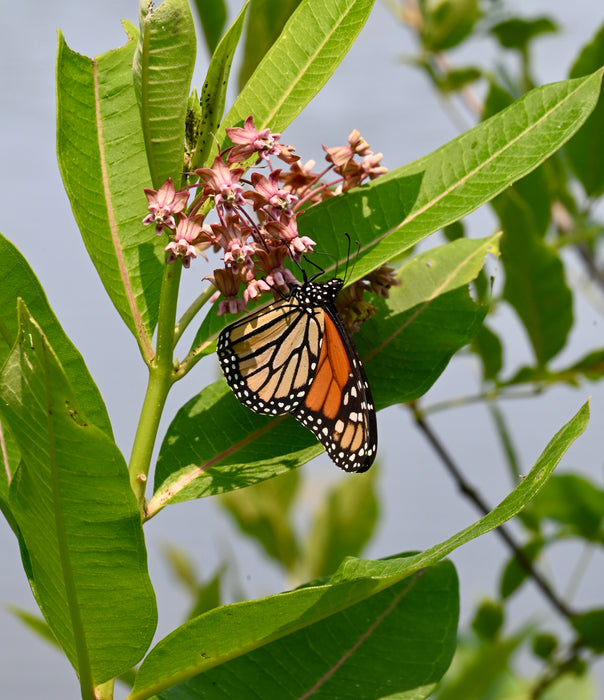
x,y
466,488
567,665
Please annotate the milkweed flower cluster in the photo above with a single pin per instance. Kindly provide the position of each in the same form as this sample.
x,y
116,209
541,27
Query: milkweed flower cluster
x,y
256,229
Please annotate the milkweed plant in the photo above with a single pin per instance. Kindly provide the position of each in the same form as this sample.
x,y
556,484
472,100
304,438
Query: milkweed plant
x,y
160,176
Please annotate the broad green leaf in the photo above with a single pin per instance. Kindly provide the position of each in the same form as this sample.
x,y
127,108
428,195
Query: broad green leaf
x,y
586,148
343,524
213,17
266,20
573,501
102,159
397,210
263,512
215,444
213,94
234,630
20,282
162,68
416,344
311,46
72,501
441,270
535,283
397,643
429,274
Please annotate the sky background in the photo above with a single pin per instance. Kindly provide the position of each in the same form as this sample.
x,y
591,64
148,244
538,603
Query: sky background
x,y
400,115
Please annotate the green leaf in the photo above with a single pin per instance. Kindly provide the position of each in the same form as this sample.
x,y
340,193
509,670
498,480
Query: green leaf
x,y
484,672
446,23
441,270
585,149
213,94
35,623
488,620
213,17
487,346
514,573
234,630
266,20
78,517
205,594
517,33
20,282
162,68
590,625
397,210
343,524
416,344
235,447
312,44
574,501
399,640
454,80
535,283
101,153
262,512
590,367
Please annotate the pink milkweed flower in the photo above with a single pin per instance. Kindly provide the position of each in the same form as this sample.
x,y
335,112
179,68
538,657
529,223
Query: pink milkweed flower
x,y
254,287
277,276
223,182
189,239
286,230
267,192
249,141
227,284
163,203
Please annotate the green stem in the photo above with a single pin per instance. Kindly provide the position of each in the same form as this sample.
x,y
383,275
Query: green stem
x,y
192,311
160,380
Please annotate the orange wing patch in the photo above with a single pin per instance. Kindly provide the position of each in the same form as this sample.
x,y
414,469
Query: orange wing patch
x,y
333,370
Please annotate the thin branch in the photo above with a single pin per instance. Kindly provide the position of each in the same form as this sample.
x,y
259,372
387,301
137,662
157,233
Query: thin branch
x,y
488,395
466,488
553,673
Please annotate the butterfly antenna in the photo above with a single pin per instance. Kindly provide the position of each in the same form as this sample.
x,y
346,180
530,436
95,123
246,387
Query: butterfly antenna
x,y
356,257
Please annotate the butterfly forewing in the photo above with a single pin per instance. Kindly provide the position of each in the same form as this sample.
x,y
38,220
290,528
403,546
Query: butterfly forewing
x,y
296,356
269,358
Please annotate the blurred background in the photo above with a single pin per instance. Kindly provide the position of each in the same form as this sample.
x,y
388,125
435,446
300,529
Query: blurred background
x,y
401,115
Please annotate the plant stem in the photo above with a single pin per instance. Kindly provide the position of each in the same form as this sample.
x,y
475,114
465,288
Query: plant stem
x,y
190,313
160,380
466,488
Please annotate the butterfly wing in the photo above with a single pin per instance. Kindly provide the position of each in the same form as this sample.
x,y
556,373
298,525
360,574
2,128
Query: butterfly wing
x,y
296,356
269,358
338,407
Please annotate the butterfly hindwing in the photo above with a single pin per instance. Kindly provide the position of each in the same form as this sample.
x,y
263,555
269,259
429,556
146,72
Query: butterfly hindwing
x,y
296,356
339,407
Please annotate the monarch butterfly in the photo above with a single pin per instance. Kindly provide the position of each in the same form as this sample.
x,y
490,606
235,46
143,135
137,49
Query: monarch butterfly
x,y
296,356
